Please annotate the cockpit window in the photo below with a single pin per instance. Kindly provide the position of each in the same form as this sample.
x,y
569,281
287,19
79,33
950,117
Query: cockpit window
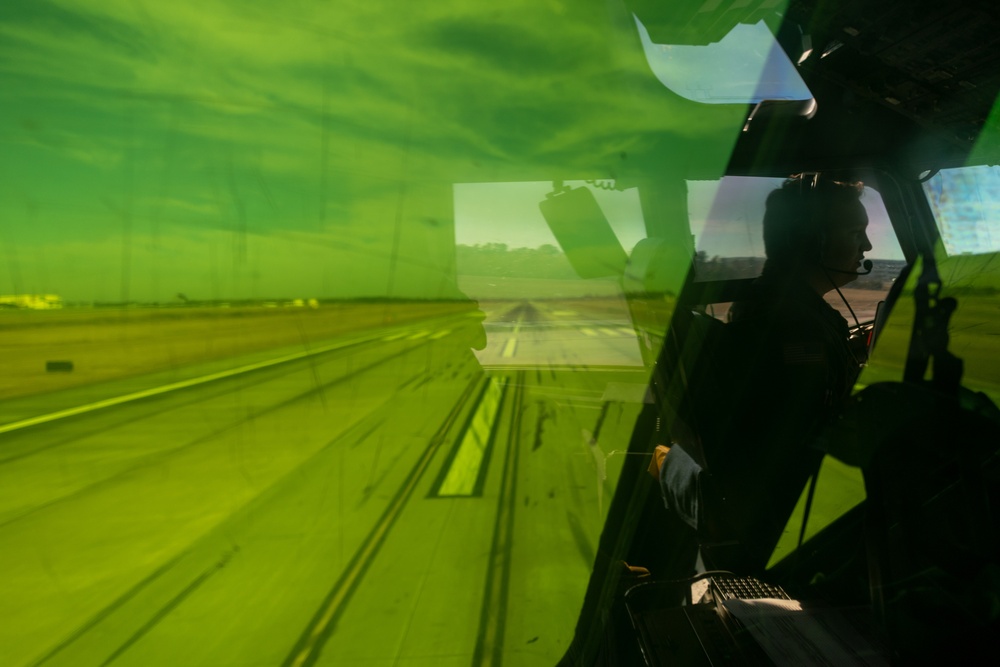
x,y
966,206
521,258
965,202
745,66
275,389
726,217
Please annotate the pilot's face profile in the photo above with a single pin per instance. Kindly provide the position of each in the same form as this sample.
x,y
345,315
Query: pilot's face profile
x,y
846,241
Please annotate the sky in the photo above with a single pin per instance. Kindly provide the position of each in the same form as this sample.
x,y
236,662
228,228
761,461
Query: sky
x,y
508,213
244,149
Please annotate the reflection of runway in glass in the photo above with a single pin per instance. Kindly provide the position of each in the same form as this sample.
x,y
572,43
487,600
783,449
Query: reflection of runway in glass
x,y
558,334
598,344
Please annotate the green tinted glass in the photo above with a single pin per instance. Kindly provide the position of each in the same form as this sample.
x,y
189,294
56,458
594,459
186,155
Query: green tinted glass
x,y
299,368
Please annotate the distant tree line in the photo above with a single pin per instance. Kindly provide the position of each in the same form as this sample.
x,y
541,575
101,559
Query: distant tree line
x,y
498,259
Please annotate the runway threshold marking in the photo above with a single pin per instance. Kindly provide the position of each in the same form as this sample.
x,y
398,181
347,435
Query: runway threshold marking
x,y
307,649
465,472
174,386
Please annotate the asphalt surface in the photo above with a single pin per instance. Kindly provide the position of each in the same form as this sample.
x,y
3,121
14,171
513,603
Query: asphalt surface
x,y
388,499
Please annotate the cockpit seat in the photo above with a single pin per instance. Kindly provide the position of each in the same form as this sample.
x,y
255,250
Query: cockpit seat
x,y
690,386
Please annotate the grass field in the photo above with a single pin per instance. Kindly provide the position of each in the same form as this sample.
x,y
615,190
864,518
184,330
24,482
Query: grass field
x,y
974,334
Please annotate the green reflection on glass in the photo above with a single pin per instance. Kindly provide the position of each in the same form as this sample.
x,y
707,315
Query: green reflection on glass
x,y
249,215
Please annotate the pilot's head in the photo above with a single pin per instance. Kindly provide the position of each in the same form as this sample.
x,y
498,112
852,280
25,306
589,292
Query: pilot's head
x,y
814,230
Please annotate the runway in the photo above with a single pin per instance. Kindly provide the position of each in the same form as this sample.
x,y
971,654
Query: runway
x,y
383,497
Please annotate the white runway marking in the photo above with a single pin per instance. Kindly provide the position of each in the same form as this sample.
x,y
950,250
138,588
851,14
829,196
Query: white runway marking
x,y
183,384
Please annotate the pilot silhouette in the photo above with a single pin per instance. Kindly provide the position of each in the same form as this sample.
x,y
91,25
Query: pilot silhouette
x,y
783,367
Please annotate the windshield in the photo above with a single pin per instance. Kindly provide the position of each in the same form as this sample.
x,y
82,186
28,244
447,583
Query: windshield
x,y
964,202
726,221
298,370
746,65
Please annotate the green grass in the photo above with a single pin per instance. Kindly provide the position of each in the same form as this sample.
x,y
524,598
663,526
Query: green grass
x,y
974,336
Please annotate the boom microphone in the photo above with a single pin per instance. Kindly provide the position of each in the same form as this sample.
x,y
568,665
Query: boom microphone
x,y
866,265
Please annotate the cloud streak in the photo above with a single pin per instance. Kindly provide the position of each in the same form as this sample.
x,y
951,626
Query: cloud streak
x,y
310,117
